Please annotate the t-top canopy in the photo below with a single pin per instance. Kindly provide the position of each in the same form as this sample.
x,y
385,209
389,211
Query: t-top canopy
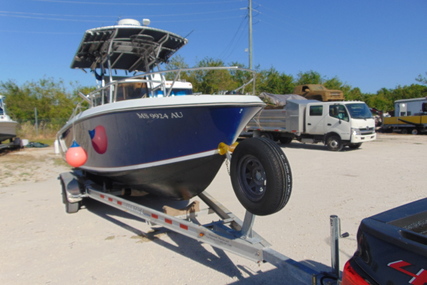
x,y
126,47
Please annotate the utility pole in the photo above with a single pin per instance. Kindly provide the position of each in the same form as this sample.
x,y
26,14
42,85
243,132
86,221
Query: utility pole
x,y
36,123
250,34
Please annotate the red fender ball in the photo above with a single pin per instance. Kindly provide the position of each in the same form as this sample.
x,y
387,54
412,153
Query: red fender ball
x,y
76,156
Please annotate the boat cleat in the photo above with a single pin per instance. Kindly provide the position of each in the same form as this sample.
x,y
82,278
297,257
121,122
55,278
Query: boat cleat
x,y
225,149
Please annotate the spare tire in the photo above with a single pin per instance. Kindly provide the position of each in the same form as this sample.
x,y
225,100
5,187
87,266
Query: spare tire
x,y
261,176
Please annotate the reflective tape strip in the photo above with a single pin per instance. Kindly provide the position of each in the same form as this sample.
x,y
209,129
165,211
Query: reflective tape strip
x,y
152,215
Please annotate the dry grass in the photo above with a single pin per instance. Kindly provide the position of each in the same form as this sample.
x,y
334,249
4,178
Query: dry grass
x,y
45,133
29,165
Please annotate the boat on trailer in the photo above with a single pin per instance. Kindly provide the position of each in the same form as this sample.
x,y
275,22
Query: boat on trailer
x,y
138,133
170,142
7,125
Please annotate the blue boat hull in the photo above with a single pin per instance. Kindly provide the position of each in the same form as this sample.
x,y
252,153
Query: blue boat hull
x,y
171,152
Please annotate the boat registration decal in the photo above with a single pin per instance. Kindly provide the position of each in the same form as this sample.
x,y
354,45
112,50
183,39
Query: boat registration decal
x,y
160,116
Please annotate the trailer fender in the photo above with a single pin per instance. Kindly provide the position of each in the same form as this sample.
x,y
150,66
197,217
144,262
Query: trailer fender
x,y
71,187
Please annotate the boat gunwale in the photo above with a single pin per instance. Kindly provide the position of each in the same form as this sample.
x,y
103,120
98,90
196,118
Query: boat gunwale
x,y
129,105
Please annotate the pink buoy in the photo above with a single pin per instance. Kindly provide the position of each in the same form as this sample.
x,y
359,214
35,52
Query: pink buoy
x,y
76,156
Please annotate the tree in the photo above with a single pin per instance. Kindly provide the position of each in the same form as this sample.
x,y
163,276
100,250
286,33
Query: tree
x,y
354,94
242,77
379,102
211,81
310,77
48,96
422,79
177,62
272,81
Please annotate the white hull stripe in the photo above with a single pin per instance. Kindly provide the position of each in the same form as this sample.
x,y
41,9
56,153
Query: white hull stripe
x,y
152,164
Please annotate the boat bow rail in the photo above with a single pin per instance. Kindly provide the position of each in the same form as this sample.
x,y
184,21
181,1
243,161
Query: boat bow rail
x,y
169,83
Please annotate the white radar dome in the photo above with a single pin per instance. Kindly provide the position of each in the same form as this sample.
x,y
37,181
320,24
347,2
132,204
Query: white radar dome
x,y
129,22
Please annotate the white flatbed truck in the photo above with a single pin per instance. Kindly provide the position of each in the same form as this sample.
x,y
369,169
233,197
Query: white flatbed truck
x,y
336,124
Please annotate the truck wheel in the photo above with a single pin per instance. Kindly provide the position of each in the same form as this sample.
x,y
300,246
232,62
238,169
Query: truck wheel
x,y
414,132
285,140
267,136
70,208
261,176
334,143
354,145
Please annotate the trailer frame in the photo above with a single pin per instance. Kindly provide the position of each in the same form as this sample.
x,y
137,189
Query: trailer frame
x,y
228,233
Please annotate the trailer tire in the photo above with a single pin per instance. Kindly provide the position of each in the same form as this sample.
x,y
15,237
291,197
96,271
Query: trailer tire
x,y
334,143
70,208
415,132
261,176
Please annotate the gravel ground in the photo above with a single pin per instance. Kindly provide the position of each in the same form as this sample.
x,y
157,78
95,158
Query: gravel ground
x,y
41,244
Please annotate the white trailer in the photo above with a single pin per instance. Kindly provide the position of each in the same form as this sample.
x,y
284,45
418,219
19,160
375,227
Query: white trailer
x,y
409,107
336,124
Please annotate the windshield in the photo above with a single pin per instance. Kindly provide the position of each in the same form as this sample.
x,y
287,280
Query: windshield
x,y
317,87
359,111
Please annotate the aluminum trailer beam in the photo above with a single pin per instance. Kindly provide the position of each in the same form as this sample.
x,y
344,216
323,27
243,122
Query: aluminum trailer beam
x,y
229,233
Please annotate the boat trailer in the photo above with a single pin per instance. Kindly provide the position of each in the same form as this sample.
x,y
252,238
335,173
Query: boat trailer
x,y
13,143
228,233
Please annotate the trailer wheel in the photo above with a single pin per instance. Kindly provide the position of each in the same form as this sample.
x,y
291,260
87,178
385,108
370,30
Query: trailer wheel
x,y
334,143
70,208
261,176
354,145
414,132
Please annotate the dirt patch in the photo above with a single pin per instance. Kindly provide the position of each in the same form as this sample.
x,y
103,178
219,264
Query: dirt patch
x,y
29,165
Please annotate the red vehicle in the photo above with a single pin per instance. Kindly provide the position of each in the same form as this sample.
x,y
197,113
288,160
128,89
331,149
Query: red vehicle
x,y
392,248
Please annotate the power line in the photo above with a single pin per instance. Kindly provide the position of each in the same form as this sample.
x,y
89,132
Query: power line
x,y
137,4
233,43
97,21
37,32
102,16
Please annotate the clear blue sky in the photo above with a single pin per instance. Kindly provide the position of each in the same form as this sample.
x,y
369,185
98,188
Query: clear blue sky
x,y
368,44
